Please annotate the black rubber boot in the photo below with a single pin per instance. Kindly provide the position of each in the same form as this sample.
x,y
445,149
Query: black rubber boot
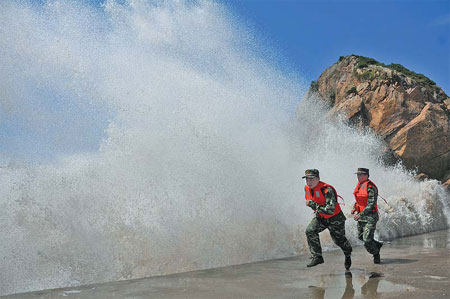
x,y
376,258
348,262
315,261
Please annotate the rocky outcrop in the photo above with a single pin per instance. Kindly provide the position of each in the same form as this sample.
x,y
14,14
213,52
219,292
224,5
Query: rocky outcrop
x,y
408,110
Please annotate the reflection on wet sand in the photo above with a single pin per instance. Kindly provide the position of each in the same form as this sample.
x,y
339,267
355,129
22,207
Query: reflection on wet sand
x,y
369,289
349,290
367,284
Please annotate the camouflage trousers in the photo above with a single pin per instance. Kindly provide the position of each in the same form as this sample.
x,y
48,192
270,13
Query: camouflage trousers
x,y
336,226
366,231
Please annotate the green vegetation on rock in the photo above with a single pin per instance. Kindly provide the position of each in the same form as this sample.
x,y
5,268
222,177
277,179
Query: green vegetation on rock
x,y
367,75
314,86
366,61
351,90
421,78
332,98
363,62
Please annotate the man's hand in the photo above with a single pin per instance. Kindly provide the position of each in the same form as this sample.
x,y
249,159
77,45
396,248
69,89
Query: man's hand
x,y
307,202
356,217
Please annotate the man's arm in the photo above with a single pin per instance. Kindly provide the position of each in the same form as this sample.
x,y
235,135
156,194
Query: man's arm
x,y
330,202
371,200
312,204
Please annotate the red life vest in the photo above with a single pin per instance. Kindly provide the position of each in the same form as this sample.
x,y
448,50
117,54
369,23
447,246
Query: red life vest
x,y
361,195
317,195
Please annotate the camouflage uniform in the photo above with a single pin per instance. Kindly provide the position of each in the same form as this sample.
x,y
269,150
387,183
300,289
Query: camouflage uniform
x,y
368,221
335,224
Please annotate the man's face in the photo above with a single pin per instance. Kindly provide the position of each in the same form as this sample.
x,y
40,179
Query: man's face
x,y
362,177
312,182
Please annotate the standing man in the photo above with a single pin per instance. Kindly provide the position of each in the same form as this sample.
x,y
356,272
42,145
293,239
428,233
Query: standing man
x,y
366,212
322,198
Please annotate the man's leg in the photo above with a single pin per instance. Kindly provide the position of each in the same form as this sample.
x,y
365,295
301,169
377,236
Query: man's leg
x,y
368,234
312,236
361,225
337,232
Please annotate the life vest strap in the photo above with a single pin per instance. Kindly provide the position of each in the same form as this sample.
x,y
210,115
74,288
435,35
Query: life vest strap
x,y
382,198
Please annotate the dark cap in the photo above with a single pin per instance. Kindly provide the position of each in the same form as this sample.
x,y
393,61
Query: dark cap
x,y
362,171
311,173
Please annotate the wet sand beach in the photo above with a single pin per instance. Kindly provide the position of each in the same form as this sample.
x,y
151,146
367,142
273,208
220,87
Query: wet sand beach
x,y
411,267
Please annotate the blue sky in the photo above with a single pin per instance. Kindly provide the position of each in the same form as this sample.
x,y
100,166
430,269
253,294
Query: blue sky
x,y
311,35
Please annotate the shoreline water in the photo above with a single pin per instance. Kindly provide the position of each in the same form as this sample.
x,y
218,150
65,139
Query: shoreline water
x,y
411,267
